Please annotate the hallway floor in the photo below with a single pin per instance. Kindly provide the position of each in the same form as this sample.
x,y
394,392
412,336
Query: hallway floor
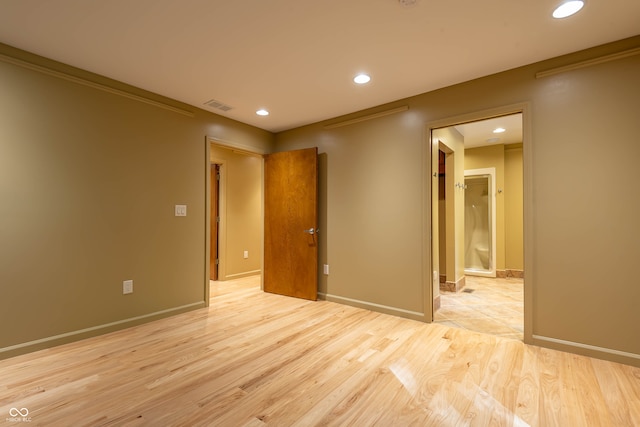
x,y
496,307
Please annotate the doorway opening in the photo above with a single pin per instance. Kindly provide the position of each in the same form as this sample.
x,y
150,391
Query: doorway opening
x,y
235,213
478,247
242,228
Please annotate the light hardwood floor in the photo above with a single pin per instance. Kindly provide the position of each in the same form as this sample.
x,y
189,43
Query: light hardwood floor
x,y
256,359
496,306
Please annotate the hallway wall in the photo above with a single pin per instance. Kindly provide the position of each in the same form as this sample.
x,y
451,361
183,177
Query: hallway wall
x,y
454,204
513,208
509,225
241,188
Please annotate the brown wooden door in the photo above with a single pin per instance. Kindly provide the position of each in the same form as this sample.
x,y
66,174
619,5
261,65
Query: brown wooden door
x,y
290,223
215,213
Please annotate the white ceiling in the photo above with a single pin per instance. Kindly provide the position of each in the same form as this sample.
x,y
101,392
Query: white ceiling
x,y
481,133
296,58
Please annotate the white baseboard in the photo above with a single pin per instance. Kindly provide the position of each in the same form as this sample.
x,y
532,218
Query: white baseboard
x,y
400,312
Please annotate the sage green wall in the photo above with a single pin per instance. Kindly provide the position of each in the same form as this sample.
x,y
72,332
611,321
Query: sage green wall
x,y
241,212
88,181
583,228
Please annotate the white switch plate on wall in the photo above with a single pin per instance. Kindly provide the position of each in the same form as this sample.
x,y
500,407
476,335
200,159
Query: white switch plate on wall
x,y
326,269
181,210
246,254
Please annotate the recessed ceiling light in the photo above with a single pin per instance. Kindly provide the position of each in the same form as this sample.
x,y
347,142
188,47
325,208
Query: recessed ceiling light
x,y
362,78
499,130
262,112
568,8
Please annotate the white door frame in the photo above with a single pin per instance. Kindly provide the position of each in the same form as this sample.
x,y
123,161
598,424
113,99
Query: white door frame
x,y
492,247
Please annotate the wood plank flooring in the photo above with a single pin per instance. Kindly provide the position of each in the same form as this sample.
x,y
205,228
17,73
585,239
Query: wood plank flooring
x,y
257,359
494,306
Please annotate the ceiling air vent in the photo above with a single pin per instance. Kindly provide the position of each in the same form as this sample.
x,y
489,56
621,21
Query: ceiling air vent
x,y
218,105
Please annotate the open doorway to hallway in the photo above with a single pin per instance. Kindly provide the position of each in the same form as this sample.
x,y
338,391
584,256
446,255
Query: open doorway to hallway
x,y
478,210
487,304
236,213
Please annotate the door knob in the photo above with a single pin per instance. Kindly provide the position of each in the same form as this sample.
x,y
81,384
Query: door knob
x,y
311,231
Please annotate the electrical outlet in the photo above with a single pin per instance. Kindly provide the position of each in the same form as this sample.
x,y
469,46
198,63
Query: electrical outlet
x,y
181,210
127,287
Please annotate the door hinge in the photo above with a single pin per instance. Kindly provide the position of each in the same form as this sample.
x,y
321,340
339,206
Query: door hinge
x,y
217,261
217,219
218,176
